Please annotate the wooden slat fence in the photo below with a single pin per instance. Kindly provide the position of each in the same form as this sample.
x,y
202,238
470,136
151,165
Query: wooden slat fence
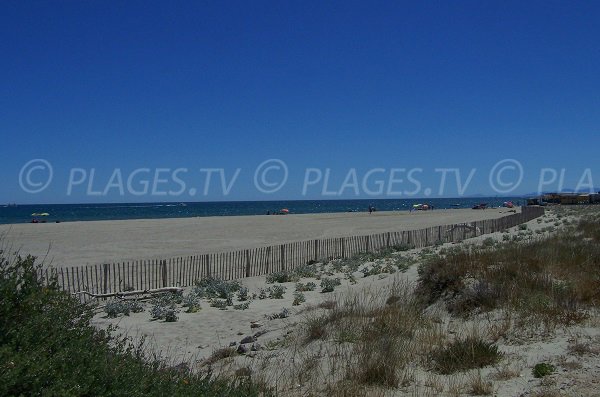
x,y
185,271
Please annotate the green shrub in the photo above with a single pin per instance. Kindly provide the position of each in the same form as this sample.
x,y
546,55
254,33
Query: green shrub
x,y
242,306
116,307
171,315
310,286
48,347
276,292
212,287
298,298
283,276
262,294
307,271
329,284
164,306
242,294
542,369
402,262
192,302
219,303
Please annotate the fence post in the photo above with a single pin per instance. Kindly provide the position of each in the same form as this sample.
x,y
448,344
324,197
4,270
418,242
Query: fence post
x,y
387,243
343,247
316,250
367,243
163,268
105,278
247,263
282,257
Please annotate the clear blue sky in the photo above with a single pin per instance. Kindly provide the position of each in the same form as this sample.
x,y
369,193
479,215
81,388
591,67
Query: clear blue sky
x,y
339,85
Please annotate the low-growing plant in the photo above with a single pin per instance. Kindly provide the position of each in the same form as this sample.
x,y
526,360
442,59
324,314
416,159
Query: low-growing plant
x,y
351,279
171,315
220,304
242,306
479,386
488,242
242,294
212,287
463,354
373,270
220,354
277,291
298,298
116,307
315,327
164,305
402,262
283,276
262,294
306,271
402,247
161,312
542,369
310,286
284,313
192,302
329,284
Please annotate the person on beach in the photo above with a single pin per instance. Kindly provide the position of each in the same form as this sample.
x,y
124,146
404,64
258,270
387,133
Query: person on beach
x,y
370,209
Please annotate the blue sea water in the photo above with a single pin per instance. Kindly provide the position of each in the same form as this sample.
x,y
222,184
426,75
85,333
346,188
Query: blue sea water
x,y
96,212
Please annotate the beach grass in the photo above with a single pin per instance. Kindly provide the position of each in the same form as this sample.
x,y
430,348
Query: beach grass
x,y
547,282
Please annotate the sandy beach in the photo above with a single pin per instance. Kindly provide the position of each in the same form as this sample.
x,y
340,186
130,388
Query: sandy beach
x,y
95,242
275,350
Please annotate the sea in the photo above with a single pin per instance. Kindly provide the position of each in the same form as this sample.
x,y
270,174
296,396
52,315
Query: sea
x,y
15,213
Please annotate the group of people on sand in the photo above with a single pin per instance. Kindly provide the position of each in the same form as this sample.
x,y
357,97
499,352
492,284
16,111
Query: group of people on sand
x,y
421,207
284,211
35,220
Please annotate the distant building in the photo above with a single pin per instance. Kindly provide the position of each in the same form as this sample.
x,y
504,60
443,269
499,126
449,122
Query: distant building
x,y
565,199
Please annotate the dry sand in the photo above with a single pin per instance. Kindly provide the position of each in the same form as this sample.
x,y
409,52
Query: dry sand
x,y
95,242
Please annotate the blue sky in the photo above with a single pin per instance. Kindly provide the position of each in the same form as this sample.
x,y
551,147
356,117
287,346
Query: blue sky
x,y
338,85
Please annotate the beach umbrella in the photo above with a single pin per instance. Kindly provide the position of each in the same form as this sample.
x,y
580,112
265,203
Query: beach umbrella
x,y
44,214
285,210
